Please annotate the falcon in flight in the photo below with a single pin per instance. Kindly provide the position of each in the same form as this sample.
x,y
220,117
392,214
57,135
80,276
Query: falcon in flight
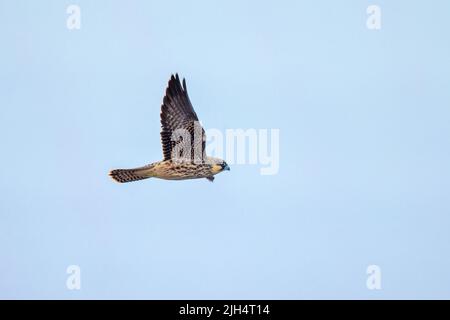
x,y
183,143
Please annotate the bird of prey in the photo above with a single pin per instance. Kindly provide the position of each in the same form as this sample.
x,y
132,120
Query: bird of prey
x,y
183,143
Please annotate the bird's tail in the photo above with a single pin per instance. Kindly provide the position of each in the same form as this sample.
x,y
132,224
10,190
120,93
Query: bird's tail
x,y
128,175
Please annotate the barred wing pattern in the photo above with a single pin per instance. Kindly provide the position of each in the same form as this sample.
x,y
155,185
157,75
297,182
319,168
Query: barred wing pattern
x,y
182,136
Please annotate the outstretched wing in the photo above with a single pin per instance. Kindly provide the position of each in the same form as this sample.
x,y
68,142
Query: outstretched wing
x,y
182,136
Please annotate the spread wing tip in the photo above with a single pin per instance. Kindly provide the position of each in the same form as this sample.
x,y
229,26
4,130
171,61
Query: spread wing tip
x,y
175,81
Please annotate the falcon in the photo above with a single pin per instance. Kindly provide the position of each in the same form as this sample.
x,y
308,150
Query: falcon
x,y
183,143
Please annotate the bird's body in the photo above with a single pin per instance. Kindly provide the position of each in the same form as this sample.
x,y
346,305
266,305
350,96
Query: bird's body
x,y
168,170
183,141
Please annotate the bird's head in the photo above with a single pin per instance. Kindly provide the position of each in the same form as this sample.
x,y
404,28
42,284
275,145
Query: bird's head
x,y
225,166
218,165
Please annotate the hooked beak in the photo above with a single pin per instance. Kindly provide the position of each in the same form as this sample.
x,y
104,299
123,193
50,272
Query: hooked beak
x,y
226,168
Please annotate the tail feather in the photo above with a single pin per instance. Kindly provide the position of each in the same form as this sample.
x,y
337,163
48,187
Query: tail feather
x,y
128,175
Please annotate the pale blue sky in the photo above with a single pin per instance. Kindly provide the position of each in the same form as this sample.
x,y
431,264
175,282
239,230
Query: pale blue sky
x,y
364,157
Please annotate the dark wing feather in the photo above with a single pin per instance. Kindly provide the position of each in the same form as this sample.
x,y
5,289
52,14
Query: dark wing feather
x,y
177,113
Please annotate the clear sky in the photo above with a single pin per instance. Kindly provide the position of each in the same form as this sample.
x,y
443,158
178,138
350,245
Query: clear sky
x,y
364,174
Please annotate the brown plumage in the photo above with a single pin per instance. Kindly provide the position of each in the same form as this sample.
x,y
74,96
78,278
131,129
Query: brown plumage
x,y
183,143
